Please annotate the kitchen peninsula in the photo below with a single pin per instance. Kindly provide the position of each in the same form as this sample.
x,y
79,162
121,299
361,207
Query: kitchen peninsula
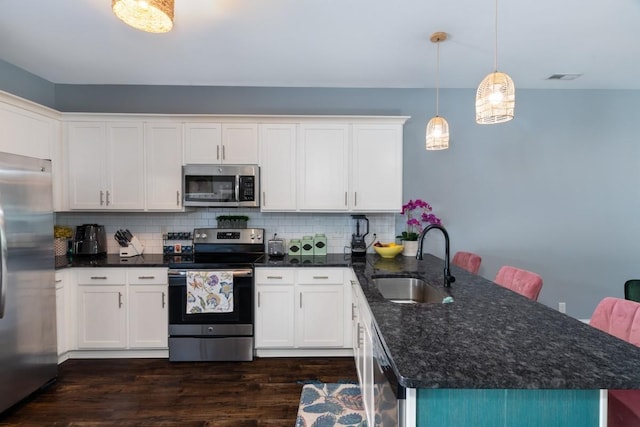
x,y
492,357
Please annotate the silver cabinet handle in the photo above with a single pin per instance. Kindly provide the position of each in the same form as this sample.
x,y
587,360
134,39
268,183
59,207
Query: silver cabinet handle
x,y
224,155
119,299
108,198
321,277
217,152
355,198
274,277
59,280
101,197
358,339
163,296
258,299
353,312
345,199
98,277
178,198
146,277
301,300
264,199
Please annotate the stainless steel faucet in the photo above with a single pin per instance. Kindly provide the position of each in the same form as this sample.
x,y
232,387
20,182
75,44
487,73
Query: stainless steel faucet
x,y
448,278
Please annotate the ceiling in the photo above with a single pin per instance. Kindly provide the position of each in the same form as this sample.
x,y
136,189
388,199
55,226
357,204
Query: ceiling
x,y
329,43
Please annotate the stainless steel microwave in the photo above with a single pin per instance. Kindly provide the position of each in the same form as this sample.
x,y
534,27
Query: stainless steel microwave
x,y
221,185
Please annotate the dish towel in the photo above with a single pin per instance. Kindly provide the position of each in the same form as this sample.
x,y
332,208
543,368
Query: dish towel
x,y
209,292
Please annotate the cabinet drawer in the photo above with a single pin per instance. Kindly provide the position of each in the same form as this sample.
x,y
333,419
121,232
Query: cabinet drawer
x,y
274,276
319,276
147,276
102,276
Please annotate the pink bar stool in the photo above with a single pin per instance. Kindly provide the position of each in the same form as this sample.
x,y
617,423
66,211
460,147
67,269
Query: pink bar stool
x,y
521,281
620,318
467,260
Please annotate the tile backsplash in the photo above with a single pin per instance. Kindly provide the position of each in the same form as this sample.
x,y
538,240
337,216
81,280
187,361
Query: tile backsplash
x,y
149,228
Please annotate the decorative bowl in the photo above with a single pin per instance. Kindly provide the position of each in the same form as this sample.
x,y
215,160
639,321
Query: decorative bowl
x,y
388,251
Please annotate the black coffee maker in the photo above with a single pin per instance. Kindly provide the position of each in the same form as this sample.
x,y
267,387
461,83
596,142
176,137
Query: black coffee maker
x,y
358,245
90,240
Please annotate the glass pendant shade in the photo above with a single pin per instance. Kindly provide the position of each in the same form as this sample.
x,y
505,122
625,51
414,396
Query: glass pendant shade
x,y
495,99
437,134
153,16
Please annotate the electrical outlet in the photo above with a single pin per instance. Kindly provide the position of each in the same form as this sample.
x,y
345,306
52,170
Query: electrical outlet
x,y
562,307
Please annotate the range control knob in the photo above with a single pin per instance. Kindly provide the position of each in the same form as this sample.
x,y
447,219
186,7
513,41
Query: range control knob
x,y
203,235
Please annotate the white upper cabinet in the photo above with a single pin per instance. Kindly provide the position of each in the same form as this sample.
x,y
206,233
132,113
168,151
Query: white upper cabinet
x,y
105,165
163,156
323,159
376,168
278,166
221,143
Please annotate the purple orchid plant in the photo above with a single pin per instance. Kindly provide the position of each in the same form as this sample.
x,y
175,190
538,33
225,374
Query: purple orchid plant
x,y
418,212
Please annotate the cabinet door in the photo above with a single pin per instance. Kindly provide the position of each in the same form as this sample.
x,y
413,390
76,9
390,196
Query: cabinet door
x,y
86,153
320,316
274,316
102,317
163,148
376,168
148,316
61,314
278,166
203,143
324,166
25,132
240,144
125,166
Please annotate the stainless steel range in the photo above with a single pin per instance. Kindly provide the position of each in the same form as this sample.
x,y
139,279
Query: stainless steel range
x,y
211,297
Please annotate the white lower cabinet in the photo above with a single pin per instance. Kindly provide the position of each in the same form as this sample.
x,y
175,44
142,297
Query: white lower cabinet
x,y
61,313
363,349
320,317
102,315
122,308
148,312
302,308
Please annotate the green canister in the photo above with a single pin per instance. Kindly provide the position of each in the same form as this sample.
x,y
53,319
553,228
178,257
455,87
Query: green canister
x,y
307,245
295,247
320,244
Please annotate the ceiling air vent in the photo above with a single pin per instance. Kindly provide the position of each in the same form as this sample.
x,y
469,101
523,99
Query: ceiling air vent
x,y
563,76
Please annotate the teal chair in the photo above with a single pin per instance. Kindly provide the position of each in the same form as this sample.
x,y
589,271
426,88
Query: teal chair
x,y
632,290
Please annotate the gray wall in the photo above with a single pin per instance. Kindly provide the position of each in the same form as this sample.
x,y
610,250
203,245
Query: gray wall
x,y
554,191
26,85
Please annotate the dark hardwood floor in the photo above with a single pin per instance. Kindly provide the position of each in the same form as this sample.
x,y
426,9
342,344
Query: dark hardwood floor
x,y
155,392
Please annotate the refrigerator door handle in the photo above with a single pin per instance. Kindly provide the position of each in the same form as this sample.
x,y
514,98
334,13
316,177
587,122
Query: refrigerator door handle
x,y
3,263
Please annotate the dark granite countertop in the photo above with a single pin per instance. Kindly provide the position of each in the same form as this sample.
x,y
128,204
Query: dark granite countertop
x,y
490,337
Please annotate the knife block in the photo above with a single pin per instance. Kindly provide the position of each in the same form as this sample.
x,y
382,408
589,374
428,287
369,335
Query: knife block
x,y
133,249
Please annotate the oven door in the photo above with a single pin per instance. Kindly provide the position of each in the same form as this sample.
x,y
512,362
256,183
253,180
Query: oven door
x,y
236,322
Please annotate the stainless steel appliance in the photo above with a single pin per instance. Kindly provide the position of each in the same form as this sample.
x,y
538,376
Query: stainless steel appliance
x,y
358,244
215,336
221,185
90,240
275,246
28,356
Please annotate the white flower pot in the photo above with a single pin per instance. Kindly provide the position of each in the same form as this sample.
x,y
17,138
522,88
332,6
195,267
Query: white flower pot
x,y
410,247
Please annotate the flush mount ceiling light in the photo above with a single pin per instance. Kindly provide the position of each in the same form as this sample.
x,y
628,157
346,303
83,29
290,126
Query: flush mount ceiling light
x,y
153,16
496,95
438,128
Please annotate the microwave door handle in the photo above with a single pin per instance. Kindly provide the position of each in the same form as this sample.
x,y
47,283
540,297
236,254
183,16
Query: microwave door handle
x,y
237,198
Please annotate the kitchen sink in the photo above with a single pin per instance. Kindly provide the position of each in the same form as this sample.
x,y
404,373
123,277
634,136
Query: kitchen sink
x,y
410,290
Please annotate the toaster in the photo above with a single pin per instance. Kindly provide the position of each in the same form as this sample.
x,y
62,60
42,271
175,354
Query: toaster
x,y
275,246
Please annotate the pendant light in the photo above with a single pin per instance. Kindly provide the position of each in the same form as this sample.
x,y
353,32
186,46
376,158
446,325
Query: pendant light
x,y
496,95
152,16
438,128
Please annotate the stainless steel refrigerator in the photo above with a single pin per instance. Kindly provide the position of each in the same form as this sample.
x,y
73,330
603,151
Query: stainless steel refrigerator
x,y
28,355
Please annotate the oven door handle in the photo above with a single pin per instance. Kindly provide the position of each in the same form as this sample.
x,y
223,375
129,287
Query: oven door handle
x,y
237,273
